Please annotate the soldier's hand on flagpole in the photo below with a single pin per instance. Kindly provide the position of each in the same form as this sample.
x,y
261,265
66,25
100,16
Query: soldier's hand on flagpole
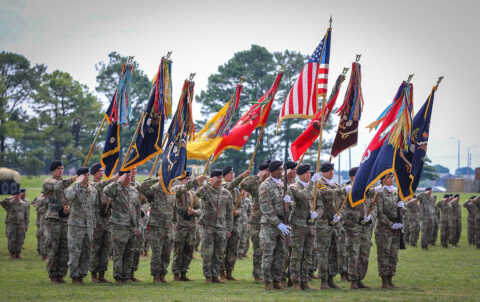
x,y
245,173
313,215
316,177
287,199
66,210
200,179
367,218
397,226
400,204
190,211
284,228
348,189
235,213
336,218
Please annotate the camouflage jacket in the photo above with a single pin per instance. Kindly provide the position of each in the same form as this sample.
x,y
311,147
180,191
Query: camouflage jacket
x,y
329,196
428,205
101,213
387,208
270,196
470,206
251,185
356,214
445,210
161,204
245,210
414,209
216,207
301,204
476,202
183,198
232,187
17,212
54,191
125,205
83,204
41,205
456,211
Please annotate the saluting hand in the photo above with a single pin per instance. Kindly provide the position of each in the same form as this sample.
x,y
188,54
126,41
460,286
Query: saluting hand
x,y
200,179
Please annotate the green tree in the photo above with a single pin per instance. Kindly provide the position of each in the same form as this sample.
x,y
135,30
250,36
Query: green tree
x,y
442,169
429,172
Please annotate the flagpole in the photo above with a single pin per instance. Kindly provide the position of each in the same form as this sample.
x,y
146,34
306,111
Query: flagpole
x,y
158,156
204,173
133,140
95,140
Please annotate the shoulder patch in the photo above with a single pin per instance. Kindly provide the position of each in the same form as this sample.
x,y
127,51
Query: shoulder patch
x,y
261,191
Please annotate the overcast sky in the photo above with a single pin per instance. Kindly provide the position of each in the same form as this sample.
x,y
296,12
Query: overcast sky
x,y
395,38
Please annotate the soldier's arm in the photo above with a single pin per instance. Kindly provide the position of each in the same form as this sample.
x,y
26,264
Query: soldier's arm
x,y
234,183
71,192
201,192
229,214
302,194
183,188
266,206
146,187
319,208
380,214
6,203
27,215
465,204
248,184
111,190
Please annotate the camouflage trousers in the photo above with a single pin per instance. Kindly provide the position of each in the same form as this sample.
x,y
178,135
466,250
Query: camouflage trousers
x,y
41,239
414,231
124,239
198,236
444,233
257,250
146,241
15,236
342,251
214,241
427,231
359,242
406,227
79,248
101,248
471,231
244,243
327,244
161,243
388,244
457,231
183,247
435,228
301,257
231,251
272,242
477,232
57,247
138,248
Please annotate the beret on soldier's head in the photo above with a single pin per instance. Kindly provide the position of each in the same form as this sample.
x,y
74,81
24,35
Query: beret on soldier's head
x,y
16,192
428,189
264,165
123,172
188,173
23,190
326,166
348,182
456,195
353,171
451,195
290,164
446,195
55,164
227,170
216,173
473,197
274,165
82,170
95,167
302,169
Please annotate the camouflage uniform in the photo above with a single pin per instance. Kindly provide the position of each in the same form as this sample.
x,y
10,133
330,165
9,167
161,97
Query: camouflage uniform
x,y
428,213
476,202
445,216
470,206
146,208
414,219
124,221
272,240
436,225
184,238
244,232
56,227
160,225
387,239
302,235
81,221
251,185
102,233
457,222
138,245
41,205
216,221
406,222
17,221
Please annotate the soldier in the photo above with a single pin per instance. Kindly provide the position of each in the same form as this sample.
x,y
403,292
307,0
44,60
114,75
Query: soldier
x,y
476,202
146,209
470,206
427,202
415,217
302,236
291,174
56,226
388,230
217,223
82,201
102,234
23,197
41,205
251,185
273,229
457,220
125,224
138,246
16,222
436,222
231,184
244,243
406,223
445,209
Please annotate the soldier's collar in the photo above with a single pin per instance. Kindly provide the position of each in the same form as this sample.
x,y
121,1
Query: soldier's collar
x,y
389,188
329,181
303,183
278,181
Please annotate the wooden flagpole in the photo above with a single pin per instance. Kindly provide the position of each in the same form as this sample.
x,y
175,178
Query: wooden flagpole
x,y
158,156
204,173
95,141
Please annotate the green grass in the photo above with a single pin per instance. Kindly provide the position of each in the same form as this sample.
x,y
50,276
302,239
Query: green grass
x,y
439,274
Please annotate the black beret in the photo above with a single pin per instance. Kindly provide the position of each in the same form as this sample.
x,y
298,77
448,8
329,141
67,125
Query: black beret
x,y
16,192
123,172
23,190
82,170
215,173
227,170
264,165
290,165
348,182
386,175
451,195
326,166
472,197
302,169
55,164
457,195
428,189
274,165
353,171
95,167
446,195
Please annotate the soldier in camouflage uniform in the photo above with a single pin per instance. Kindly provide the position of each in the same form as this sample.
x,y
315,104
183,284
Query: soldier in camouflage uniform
x,y
476,202
16,223
251,185
427,202
217,224
138,246
102,234
230,257
470,206
244,243
388,230
302,236
436,223
445,209
457,220
56,227
23,197
41,205
274,229
415,217
82,199
291,174
125,225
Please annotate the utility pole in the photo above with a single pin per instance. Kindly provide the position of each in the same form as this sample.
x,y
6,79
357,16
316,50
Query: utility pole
x,y
458,163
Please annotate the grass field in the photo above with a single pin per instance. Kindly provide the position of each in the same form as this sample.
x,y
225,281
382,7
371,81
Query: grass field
x,y
438,274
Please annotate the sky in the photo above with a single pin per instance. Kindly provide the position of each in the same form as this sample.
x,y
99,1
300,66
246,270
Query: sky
x,y
395,38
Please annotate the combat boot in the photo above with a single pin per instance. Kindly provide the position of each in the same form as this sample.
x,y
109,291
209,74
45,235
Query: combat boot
x,y
390,282
13,255
61,280
354,284
119,281
277,285
269,286
305,286
185,278
208,280
176,277
343,278
331,283
101,278
362,285
17,255
94,277
133,279
80,281
258,279
222,275
385,283
217,280
53,280
156,278
296,285
162,278
324,284
74,281
230,277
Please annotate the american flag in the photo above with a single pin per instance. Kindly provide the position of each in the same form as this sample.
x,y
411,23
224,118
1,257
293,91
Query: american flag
x,y
302,100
